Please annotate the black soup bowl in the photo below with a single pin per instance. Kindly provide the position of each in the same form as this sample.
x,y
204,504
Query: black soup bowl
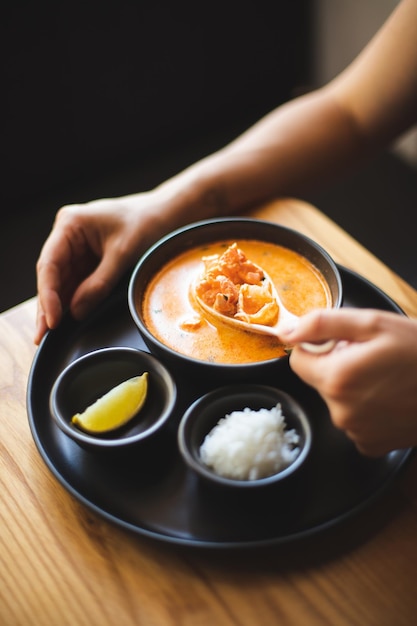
x,y
203,233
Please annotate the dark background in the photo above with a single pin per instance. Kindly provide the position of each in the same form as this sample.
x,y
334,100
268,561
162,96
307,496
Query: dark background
x,y
104,99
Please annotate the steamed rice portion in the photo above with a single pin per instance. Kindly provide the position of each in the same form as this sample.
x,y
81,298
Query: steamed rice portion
x,y
248,445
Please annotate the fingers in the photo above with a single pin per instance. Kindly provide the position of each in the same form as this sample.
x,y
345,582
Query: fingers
x,y
99,283
49,286
325,324
95,288
41,326
66,258
49,313
49,283
86,296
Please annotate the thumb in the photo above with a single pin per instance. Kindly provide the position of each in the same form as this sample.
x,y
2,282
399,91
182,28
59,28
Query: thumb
x,y
96,287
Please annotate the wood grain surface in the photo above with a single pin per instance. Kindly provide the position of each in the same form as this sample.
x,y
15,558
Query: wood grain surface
x,y
61,564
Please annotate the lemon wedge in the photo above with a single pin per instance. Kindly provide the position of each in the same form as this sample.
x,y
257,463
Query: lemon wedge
x,y
115,408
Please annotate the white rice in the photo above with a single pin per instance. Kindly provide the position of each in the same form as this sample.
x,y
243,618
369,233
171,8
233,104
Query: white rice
x,y
248,445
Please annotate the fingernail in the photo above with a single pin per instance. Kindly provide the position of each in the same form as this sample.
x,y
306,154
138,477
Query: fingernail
x,y
49,321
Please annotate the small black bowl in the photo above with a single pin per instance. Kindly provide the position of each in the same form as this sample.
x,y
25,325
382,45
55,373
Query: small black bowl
x,y
201,417
89,377
209,231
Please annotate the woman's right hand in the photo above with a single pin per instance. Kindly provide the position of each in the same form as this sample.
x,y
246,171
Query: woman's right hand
x,y
368,379
88,250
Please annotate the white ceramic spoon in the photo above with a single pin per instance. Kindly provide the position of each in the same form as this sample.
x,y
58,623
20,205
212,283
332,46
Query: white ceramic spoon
x,y
284,317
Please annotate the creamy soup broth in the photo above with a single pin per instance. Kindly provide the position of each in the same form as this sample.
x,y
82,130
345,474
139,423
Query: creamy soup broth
x,y
171,315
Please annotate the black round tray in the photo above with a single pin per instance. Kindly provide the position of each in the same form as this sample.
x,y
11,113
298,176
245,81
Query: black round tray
x,y
157,496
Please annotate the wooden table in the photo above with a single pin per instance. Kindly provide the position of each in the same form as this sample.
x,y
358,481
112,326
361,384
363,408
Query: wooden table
x,y
61,564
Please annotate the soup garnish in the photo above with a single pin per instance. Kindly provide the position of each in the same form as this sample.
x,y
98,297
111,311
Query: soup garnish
x,y
235,287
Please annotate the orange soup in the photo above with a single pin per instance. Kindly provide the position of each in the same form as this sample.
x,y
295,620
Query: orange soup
x,y
172,316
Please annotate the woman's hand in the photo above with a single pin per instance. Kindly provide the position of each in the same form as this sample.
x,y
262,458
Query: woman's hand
x,y
369,380
88,250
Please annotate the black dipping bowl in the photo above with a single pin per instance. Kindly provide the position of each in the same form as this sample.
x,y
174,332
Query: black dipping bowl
x,y
211,231
204,413
88,378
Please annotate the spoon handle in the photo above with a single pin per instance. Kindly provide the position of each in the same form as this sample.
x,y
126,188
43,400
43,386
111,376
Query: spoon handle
x,y
318,348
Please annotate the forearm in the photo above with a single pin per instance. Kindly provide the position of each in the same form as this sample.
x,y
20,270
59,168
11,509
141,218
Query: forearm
x,y
309,141
301,145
